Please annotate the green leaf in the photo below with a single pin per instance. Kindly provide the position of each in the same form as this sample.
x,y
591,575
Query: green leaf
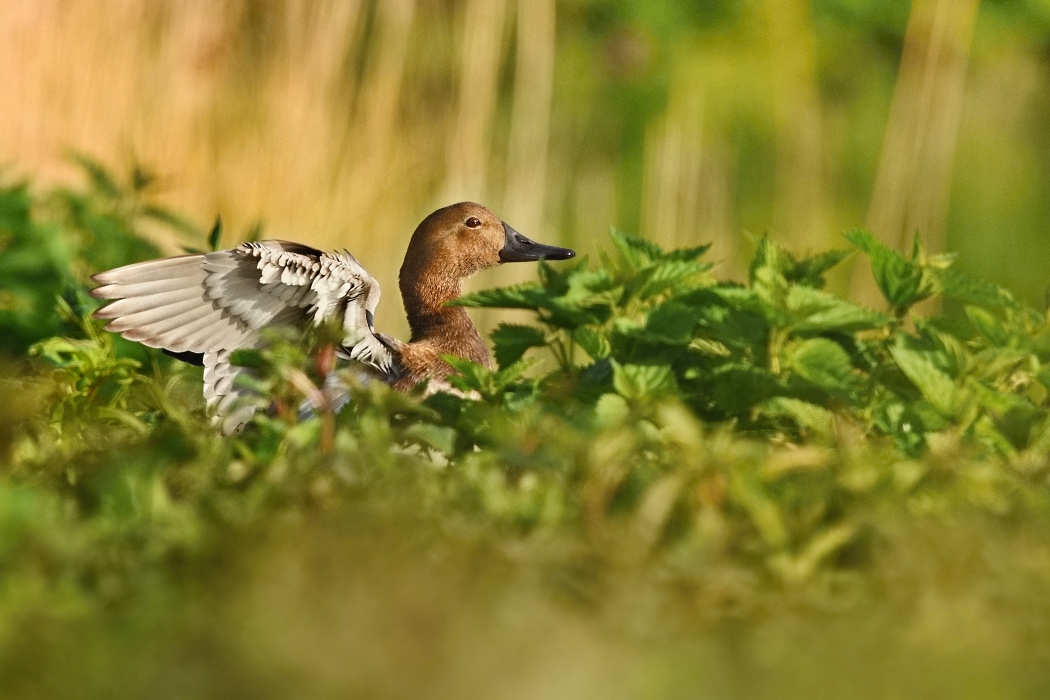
x,y
732,315
988,325
810,271
663,276
471,375
687,254
247,358
634,250
643,381
772,258
587,286
819,312
737,388
529,295
710,347
555,278
672,322
936,386
768,277
823,363
808,416
564,314
593,342
901,280
955,284
215,237
435,437
512,340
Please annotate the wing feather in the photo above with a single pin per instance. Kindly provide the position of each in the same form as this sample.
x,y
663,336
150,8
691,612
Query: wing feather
x,y
217,302
141,313
141,289
135,304
151,270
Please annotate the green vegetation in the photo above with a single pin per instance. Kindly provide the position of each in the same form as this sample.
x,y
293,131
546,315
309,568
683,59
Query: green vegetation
x,y
672,486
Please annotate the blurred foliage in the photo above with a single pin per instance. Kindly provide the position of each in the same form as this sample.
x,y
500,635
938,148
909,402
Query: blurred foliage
x,y
672,485
50,242
342,123
646,59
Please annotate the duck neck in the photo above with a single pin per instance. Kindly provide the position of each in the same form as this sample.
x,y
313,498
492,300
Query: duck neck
x,y
448,329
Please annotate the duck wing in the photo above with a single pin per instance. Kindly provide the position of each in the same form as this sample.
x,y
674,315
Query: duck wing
x,y
215,303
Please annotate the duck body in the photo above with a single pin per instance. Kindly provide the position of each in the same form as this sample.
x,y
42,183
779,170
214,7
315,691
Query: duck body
x,y
209,305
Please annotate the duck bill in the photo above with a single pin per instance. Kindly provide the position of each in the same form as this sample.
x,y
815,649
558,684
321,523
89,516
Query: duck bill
x,y
518,248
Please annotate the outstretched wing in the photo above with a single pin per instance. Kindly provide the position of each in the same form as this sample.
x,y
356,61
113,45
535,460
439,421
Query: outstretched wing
x,y
218,302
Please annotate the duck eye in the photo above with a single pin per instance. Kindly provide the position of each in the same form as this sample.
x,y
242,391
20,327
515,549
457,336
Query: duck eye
x,y
473,222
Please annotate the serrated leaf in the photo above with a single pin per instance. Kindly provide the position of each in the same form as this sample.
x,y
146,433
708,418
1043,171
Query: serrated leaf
x,y
729,315
593,342
818,312
810,271
771,258
672,322
1016,418
768,278
824,363
635,250
643,381
567,315
688,254
955,284
511,341
935,386
664,276
470,375
511,373
522,296
901,280
555,279
584,285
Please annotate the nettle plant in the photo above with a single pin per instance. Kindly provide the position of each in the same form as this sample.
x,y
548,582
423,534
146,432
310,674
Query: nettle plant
x,y
780,355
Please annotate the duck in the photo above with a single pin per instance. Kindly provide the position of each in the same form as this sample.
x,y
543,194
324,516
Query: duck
x,y
203,307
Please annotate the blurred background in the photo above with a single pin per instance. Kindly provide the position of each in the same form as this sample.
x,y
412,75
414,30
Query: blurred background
x,y
344,122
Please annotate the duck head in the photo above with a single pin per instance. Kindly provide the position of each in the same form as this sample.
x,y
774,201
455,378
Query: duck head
x,y
447,247
464,238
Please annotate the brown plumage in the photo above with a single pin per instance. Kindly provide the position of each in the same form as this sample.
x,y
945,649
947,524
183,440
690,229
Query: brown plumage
x,y
212,304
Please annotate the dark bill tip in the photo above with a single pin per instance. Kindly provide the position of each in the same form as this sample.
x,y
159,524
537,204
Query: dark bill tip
x,y
518,248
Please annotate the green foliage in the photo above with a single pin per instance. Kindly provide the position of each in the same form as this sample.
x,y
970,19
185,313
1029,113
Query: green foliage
x,y
34,269
659,448
50,242
781,355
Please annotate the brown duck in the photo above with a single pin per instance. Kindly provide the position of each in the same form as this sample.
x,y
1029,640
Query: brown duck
x,y
203,307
